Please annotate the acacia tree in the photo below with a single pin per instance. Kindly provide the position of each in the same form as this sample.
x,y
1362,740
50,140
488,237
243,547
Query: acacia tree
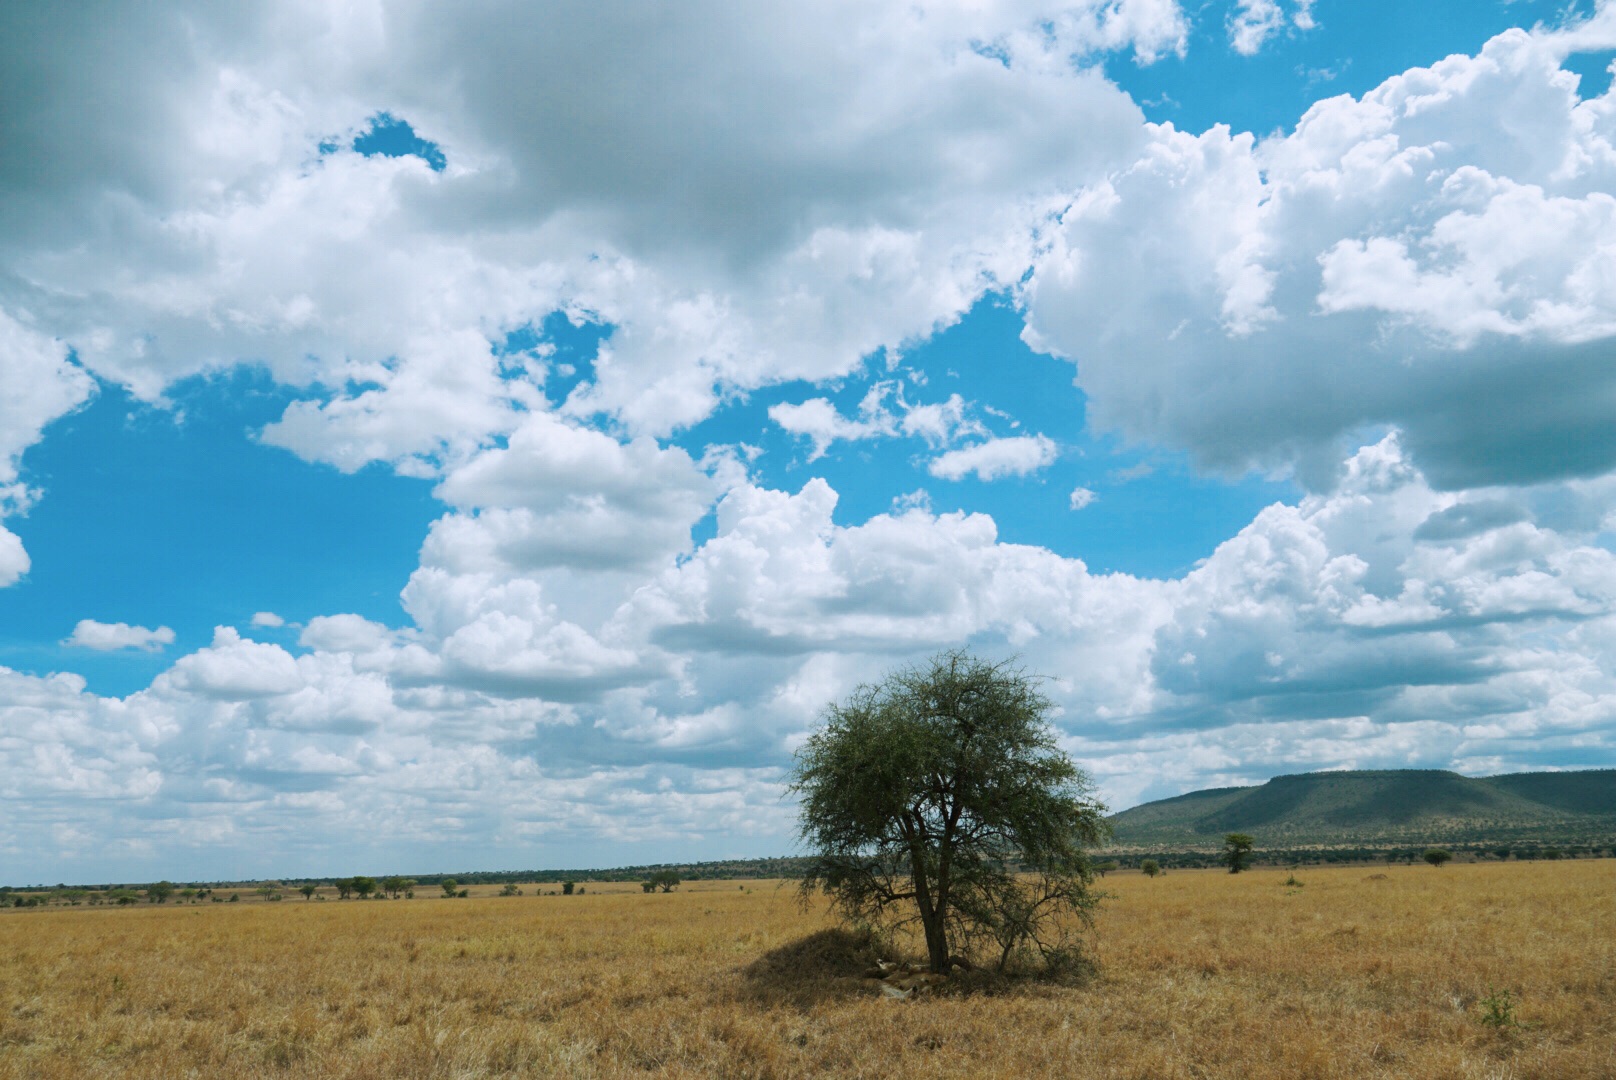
x,y
929,796
1437,856
1237,852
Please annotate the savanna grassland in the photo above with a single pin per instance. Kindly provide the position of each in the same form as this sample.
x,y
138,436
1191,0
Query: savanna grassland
x,y
1357,972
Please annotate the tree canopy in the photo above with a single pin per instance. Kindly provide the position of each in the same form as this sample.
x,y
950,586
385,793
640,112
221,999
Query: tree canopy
x,y
1237,851
666,880
940,796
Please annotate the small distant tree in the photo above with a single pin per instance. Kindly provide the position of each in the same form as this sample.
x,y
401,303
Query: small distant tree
x,y
344,887
308,890
666,880
648,886
1502,853
1551,853
1237,852
510,889
364,886
393,885
159,892
449,886
1104,868
1437,856
567,887
1150,868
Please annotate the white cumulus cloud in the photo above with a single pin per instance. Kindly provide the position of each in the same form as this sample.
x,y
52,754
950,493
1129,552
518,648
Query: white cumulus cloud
x,y
108,637
1434,255
899,162
1254,22
884,412
14,561
1016,455
234,668
1384,623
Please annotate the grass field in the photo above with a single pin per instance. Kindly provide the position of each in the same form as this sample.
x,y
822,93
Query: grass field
x,y
1359,972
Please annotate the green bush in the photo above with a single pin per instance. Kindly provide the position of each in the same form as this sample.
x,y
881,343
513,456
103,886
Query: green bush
x,y
1498,1009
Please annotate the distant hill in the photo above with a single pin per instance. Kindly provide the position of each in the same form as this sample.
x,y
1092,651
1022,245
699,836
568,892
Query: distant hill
x,y
1393,806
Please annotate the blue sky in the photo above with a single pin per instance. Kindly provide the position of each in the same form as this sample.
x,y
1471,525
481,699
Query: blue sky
x,y
176,515
1354,47
1159,516
403,479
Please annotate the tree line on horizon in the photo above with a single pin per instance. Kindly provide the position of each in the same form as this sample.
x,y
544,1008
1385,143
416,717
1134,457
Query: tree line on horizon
x,y
781,868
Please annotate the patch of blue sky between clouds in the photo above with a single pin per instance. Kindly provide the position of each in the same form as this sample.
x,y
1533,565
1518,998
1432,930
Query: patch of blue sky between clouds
x,y
179,518
391,136
1352,47
1594,71
563,345
1150,514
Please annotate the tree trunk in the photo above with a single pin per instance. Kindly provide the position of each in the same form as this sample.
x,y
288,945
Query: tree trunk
x,y
936,941
933,914
937,928
940,960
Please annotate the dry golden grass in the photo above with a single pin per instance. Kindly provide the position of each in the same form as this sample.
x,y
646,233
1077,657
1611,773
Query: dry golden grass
x,y
1201,974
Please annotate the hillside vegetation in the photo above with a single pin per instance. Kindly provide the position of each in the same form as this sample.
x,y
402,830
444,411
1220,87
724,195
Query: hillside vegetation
x,y
1395,806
